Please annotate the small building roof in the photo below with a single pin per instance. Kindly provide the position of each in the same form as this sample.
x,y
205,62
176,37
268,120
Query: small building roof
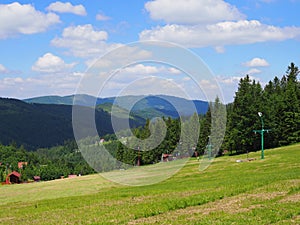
x,y
15,173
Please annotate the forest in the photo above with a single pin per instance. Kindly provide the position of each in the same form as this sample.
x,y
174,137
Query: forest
x,y
278,101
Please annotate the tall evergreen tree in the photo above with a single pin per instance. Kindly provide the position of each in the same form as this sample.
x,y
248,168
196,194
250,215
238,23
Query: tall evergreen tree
x,y
244,119
290,117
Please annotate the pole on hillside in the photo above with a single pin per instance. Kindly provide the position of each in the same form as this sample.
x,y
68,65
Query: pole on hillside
x,y
262,134
209,148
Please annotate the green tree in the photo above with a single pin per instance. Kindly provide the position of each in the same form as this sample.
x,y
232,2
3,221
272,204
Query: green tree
x,y
244,119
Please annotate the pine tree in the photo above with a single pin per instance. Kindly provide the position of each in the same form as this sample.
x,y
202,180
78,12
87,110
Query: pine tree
x,y
244,119
290,117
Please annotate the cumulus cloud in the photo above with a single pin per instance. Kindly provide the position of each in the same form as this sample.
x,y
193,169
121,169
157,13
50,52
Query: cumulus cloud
x,y
256,62
16,18
102,17
220,34
84,41
46,84
214,23
50,63
67,7
192,11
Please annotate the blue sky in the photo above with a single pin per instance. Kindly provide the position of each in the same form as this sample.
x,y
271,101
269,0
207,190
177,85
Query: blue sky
x,y
47,46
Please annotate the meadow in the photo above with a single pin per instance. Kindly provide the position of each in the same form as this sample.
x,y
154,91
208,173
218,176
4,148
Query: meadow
x,y
250,192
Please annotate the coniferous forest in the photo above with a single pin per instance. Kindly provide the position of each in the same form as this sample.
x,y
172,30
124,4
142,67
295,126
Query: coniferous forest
x,y
278,101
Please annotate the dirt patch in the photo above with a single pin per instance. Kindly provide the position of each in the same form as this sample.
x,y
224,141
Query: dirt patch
x,y
291,198
266,196
166,195
5,219
231,205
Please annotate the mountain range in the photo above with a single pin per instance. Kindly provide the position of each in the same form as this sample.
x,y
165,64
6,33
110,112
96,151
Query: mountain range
x,y
47,121
142,106
45,125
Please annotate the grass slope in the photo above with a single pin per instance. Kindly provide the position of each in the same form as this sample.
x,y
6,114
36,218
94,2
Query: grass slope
x,y
257,192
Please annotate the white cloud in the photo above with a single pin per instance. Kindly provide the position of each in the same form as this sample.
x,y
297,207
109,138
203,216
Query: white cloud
x,y
173,70
141,69
220,49
67,7
253,71
220,34
23,19
144,86
192,11
3,69
46,84
50,63
256,62
229,80
186,79
84,41
102,17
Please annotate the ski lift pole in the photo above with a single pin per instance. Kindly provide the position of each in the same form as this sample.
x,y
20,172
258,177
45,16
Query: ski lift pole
x,y
209,148
262,134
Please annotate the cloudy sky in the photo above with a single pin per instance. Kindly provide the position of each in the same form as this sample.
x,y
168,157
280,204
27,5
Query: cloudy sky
x,y
47,46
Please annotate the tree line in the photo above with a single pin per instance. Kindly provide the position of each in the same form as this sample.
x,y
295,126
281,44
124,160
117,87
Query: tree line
x,y
48,164
278,101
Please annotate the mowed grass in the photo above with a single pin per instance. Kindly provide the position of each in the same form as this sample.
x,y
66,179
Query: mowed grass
x,y
256,192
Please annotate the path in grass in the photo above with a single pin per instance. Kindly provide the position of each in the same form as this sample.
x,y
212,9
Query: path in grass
x,y
257,192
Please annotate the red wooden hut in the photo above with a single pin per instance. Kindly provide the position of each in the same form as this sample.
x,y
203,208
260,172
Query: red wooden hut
x,y
13,178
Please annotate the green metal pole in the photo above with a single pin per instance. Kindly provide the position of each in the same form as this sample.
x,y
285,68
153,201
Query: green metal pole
x,y
262,138
262,144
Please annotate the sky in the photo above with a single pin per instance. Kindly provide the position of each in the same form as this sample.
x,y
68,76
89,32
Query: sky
x,y
48,47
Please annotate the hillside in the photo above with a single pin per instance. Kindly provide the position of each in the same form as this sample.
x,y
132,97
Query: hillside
x,y
83,100
120,112
145,106
44,125
254,192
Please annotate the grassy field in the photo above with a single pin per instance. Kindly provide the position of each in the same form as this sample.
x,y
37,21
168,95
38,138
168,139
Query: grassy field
x,y
256,192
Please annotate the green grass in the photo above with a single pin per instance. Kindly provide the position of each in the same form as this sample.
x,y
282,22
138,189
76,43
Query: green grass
x,y
257,192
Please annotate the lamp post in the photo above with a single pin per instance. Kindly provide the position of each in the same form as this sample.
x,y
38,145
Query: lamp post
x,y
262,134
139,157
209,148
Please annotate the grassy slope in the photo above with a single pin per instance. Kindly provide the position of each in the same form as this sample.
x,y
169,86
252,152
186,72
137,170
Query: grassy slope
x,y
257,192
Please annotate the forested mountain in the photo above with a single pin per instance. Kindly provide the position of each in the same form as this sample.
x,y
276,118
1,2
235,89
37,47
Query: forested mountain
x,y
143,106
83,100
45,125
37,125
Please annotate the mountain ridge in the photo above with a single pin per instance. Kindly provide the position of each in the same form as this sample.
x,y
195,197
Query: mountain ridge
x,y
146,106
36,125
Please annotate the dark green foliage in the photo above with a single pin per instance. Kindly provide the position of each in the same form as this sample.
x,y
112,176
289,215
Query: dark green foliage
x,y
244,118
279,102
43,125
49,164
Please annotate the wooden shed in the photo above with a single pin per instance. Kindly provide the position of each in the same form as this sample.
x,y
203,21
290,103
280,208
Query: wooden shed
x,y
36,178
166,157
13,178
